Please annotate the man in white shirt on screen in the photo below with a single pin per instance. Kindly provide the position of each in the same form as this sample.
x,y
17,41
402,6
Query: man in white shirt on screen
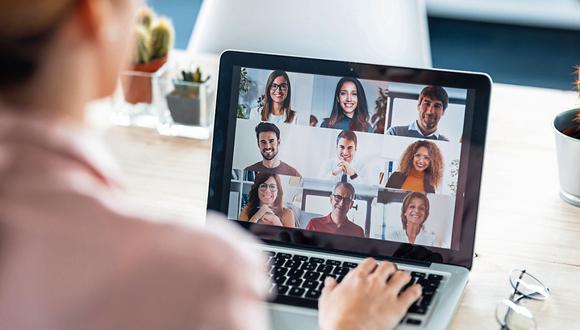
x,y
343,167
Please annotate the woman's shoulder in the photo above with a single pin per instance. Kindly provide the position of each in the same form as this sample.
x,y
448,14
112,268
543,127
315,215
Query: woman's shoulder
x,y
324,123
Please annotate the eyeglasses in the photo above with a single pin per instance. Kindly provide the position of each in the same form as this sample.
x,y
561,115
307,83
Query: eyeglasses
x,y
283,87
338,199
272,187
512,316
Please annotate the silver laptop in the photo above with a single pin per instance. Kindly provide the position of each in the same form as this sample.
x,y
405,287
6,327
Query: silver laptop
x,y
329,162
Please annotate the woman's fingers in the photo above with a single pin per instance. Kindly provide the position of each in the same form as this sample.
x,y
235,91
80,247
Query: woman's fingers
x,y
365,267
409,296
384,270
329,284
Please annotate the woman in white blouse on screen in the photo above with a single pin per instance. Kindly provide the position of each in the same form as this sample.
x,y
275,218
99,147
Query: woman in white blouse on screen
x,y
277,96
414,214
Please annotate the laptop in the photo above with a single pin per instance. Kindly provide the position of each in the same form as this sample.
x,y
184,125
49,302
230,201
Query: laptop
x,y
329,162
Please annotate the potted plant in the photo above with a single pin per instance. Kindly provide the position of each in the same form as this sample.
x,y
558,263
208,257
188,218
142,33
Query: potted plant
x,y
187,102
567,130
154,37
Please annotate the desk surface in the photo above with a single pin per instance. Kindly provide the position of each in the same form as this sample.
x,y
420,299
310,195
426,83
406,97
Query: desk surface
x,y
522,221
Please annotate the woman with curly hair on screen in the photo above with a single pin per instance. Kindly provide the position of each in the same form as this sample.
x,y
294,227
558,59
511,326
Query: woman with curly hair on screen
x,y
420,169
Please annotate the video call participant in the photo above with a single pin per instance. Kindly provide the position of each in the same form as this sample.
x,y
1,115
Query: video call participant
x,y
349,110
420,169
414,214
336,222
343,167
265,203
433,101
268,136
276,107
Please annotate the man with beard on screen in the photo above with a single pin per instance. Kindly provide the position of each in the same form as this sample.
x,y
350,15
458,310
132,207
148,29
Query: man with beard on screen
x,y
268,136
433,101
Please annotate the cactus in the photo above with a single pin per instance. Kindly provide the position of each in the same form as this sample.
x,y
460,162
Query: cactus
x,y
154,37
161,38
145,17
142,51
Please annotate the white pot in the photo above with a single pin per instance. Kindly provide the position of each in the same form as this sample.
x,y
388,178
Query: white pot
x,y
568,151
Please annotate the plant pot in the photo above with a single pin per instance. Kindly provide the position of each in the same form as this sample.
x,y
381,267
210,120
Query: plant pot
x,y
187,103
137,84
567,130
184,109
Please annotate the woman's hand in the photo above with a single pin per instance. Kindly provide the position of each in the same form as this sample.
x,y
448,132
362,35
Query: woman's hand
x,y
271,219
263,210
368,298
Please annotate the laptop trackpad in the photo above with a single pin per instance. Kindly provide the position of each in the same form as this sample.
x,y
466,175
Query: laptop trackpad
x,y
285,317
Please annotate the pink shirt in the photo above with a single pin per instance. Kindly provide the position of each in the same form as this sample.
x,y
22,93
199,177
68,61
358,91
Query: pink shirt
x,y
73,255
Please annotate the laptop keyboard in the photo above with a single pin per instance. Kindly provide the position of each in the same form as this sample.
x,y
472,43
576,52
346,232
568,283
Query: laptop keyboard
x,y
302,277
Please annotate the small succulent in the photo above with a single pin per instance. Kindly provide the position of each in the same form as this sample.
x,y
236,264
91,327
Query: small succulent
x,y
189,82
154,37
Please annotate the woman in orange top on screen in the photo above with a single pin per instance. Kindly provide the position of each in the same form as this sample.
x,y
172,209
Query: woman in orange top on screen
x,y
420,169
265,203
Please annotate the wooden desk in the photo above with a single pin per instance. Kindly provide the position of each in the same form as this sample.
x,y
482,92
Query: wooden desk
x,y
522,221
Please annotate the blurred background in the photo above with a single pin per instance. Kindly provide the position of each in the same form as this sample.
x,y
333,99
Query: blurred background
x,y
523,42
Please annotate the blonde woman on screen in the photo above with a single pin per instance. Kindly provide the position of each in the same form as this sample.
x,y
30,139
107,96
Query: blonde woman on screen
x,y
414,215
75,253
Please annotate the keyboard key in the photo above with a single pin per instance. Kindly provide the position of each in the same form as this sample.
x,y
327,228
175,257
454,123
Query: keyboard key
x,y
279,261
280,271
309,284
279,279
332,262
349,264
313,276
283,255
341,271
292,263
294,281
298,292
435,277
416,309
312,294
324,268
297,273
413,321
282,289
418,274
299,257
309,266
315,259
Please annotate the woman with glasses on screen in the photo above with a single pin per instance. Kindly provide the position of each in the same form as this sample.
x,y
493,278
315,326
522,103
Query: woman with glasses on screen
x,y
265,203
277,97
75,253
414,214
349,111
420,169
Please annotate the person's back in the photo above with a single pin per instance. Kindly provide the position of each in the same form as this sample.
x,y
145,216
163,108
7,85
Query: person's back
x,y
73,254
75,257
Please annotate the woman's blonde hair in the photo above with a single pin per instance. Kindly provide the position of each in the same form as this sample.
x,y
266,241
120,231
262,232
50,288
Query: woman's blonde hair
x,y
435,169
26,28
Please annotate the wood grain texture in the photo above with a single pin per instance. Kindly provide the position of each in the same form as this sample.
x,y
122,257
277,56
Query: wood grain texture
x,y
522,220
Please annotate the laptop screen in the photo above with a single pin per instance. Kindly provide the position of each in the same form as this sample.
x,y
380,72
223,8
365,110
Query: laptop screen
x,y
350,157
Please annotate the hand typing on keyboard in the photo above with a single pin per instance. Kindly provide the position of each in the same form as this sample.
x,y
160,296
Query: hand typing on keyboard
x,y
368,298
